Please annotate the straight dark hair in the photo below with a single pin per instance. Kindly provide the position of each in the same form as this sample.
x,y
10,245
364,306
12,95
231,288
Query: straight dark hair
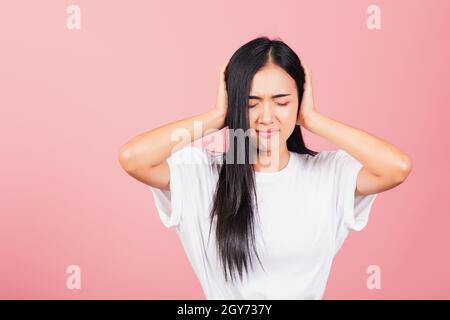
x,y
235,193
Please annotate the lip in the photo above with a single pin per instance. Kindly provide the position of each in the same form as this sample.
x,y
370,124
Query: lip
x,y
267,133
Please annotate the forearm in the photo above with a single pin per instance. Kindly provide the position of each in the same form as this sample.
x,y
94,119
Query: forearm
x,y
151,148
377,155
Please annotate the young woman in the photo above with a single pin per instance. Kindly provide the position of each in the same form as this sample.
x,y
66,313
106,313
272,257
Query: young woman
x,y
289,207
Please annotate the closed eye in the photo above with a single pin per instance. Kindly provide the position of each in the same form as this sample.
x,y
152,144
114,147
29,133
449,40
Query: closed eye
x,y
280,104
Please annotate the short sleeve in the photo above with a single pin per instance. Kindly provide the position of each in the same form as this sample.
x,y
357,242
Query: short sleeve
x,y
352,210
185,170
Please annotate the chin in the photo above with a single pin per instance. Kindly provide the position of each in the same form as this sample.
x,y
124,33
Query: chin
x,y
269,143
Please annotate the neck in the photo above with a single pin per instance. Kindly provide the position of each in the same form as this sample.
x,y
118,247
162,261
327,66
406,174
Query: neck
x,y
271,161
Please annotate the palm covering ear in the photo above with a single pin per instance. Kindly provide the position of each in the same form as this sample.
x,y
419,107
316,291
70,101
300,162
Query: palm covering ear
x,y
307,105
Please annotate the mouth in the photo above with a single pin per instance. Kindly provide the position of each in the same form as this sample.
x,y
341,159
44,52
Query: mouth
x,y
267,133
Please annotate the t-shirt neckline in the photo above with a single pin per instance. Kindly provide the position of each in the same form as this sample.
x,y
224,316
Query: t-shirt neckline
x,y
261,175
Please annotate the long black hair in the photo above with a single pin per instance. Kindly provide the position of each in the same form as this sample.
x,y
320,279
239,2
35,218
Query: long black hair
x,y
235,195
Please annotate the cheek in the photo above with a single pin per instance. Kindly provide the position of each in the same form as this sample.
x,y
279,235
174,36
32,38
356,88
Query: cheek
x,y
287,116
288,121
252,117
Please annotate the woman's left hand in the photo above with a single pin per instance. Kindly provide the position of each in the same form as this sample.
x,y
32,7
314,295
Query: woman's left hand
x,y
307,107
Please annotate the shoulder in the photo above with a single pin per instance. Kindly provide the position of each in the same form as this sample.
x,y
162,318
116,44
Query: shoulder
x,y
327,160
191,155
196,159
322,157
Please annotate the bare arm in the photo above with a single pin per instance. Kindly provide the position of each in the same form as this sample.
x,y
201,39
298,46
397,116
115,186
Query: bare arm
x,y
384,165
144,156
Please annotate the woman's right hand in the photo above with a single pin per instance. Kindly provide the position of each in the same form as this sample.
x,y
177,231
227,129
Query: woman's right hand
x,y
222,95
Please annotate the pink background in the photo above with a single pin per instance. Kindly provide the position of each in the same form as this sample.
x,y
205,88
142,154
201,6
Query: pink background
x,y
70,98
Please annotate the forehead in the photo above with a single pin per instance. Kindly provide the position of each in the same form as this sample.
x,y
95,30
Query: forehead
x,y
271,80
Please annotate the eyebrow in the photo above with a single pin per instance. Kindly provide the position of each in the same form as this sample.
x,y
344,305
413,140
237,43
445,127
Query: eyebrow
x,y
273,97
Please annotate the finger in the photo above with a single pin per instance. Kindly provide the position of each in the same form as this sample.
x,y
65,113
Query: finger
x,y
222,70
305,67
308,77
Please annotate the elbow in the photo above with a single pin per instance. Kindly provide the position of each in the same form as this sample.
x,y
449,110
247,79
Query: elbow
x,y
404,170
125,158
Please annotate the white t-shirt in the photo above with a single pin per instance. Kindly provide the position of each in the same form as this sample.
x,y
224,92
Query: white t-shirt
x,y
306,211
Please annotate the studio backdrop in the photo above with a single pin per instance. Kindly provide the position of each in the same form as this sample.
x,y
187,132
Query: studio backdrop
x,y
79,78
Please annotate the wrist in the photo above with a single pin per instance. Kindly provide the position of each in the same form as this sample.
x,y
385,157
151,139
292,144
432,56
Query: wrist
x,y
310,120
218,117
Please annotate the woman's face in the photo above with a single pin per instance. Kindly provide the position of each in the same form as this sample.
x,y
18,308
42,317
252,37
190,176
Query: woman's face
x,y
272,105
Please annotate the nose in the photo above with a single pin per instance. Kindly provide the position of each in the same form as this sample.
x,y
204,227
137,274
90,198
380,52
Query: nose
x,y
266,115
